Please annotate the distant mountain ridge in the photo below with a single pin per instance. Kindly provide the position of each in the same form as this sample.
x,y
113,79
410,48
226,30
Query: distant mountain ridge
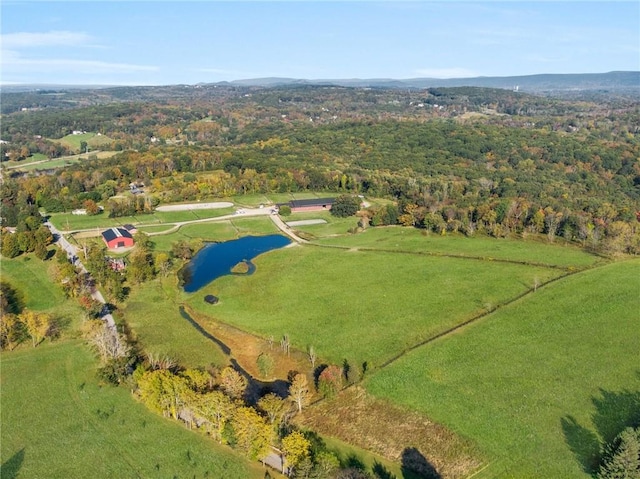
x,y
616,80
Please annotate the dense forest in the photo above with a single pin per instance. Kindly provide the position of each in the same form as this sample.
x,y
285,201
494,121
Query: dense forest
x,y
463,159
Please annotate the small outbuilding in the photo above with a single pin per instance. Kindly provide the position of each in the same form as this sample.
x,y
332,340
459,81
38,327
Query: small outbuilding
x,y
117,238
130,228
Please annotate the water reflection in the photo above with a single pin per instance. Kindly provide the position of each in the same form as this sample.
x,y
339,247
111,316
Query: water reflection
x,y
217,259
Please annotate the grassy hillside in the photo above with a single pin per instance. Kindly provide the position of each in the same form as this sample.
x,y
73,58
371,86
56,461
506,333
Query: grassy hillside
x,y
30,276
57,422
152,311
64,221
363,306
539,384
480,246
93,140
33,281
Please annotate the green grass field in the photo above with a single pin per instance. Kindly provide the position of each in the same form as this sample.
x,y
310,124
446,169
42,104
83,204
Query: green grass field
x,y
541,382
35,162
214,231
333,225
363,306
152,312
36,157
256,225
69,221
93,140
410,239
30,276
33,280
223,230
58,422
537,384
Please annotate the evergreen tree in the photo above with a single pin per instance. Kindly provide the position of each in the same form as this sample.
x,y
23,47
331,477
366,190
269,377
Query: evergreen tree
x,y
622,456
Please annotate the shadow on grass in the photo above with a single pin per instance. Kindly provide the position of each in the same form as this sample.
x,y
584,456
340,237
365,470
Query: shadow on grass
x,y
255,388
381,472
11,468
414,464
15,301
614,411
225,349
584,443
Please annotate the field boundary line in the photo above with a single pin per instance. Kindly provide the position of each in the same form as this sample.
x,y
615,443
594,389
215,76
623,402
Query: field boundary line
x,y
488,259
481,316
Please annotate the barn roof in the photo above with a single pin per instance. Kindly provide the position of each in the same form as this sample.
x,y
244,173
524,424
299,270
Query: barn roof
x,y
113,233
311,202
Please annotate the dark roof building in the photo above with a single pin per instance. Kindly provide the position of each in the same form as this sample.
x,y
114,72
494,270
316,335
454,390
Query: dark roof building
x,y
117,238
130,228
314,204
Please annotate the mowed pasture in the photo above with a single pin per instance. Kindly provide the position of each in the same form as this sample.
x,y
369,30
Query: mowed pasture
x,y
70,222
152,312
58,422
540,384
37,291
93,140
42,162
363,306
220,230
397,238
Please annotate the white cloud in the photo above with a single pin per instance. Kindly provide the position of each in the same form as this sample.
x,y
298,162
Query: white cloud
x,y
446,73
19,57
12,41
77,66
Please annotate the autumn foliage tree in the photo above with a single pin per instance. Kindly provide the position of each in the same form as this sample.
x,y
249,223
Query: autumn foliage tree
x,y
215,409
252,435
12,331
37,324
299,392
295,448
233,383
274,407
330,380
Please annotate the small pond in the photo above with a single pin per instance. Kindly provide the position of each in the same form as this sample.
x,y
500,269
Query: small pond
x,y
217,259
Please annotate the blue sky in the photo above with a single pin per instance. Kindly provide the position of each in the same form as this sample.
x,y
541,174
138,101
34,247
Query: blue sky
x,y
163,42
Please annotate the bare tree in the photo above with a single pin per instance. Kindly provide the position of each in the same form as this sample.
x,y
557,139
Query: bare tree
x,y
158,361
299,391
285,344
311,352
108,343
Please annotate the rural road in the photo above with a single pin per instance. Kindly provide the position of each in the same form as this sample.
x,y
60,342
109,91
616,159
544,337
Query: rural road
x,y
241,212
274,459
62,242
